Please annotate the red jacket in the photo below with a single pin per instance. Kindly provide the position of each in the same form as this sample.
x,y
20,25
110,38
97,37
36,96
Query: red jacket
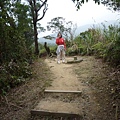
x,y
61,41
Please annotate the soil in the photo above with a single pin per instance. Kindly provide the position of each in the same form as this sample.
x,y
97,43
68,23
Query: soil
x,y
90,76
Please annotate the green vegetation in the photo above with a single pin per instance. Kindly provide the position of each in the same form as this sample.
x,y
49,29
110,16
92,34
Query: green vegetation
x,y
103,43
19,45
112,4
16,39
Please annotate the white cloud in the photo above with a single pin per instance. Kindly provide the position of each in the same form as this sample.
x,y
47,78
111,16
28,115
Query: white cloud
x,y
89,13
86,14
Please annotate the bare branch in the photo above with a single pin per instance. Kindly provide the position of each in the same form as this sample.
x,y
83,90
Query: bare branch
x,y
43,3
44,11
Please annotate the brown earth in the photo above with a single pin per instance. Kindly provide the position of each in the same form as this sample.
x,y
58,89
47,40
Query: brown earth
x,y
89,76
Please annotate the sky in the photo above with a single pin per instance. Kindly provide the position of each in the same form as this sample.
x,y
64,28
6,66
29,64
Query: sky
x,y
89,13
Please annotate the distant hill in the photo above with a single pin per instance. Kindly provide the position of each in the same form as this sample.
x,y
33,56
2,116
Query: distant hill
x,y
98,25
81,29
50,42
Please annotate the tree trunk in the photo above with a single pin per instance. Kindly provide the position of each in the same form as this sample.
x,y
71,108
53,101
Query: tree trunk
x,y
35,8
36,39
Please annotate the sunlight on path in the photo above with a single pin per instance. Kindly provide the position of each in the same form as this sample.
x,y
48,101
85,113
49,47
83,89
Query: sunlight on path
x,y
64,77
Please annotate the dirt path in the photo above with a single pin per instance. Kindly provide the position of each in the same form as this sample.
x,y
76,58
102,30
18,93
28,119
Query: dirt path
x,y
89,76
65,78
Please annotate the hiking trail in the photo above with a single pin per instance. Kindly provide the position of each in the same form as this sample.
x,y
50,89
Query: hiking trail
x,y
57,101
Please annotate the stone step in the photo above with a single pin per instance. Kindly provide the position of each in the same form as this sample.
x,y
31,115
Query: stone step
x,y
55,114
57,108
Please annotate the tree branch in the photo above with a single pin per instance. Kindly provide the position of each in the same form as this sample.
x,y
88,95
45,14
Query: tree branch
x,y
44,11
43,3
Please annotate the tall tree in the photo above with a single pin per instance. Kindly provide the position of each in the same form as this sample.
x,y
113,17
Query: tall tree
x,y
38,10
13,49
7,25
60,24
12,28
24,22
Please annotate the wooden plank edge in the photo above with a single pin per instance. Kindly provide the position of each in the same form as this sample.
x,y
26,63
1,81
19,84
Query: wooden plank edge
x,y
62,91
75,61
55,114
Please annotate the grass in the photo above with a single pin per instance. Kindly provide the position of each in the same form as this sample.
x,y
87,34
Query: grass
x,y
26,96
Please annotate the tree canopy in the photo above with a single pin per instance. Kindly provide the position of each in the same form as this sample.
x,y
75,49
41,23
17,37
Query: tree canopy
x,y
112,4
67,28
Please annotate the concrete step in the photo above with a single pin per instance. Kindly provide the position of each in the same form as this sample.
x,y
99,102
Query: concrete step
x,y
58,108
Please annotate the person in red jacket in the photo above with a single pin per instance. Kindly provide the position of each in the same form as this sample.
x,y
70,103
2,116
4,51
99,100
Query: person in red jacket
x,y
61,48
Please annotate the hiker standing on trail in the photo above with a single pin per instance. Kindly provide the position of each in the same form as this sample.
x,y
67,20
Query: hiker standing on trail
x,y
61,48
